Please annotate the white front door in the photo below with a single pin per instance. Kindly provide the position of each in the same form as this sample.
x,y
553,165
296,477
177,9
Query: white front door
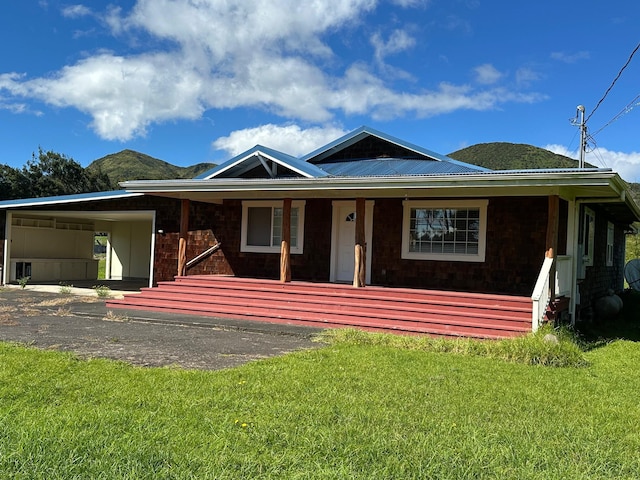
x,y
344,240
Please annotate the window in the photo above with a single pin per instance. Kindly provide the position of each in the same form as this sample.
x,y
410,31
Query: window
x,y
444,230
610,236
588,236
262,226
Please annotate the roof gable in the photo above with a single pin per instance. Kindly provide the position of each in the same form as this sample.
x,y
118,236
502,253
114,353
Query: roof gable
x,y
368,144
263,162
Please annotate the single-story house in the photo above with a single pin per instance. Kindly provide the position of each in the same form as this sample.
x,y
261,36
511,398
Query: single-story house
x,y
368,231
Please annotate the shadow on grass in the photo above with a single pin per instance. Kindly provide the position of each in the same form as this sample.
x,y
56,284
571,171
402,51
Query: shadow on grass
x,y
626,326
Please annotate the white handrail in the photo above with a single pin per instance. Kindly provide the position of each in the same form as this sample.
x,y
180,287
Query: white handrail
x,y
541,293
207,252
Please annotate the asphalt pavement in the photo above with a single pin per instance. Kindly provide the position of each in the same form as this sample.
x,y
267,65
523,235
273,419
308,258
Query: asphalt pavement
x,y
77,320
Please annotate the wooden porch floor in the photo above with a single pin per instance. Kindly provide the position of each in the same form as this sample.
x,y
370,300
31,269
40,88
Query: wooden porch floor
x,y
398,310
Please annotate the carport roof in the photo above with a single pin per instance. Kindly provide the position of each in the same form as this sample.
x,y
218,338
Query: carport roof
x,y
62,199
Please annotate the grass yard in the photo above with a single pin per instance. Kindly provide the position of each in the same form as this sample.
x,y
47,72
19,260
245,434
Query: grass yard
x,y
355,409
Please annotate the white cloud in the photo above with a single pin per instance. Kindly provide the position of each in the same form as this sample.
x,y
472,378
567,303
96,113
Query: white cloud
x,y
625,164
570,57
290,139
526,76
217,55
487,74
75,11
398,41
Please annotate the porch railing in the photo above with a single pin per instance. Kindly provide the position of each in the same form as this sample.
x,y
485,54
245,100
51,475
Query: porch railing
x,y
541,295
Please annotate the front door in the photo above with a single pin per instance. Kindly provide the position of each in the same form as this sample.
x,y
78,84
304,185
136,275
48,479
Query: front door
x,y
344,240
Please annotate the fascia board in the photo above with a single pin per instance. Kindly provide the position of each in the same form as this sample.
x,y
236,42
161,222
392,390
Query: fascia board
x,y
480,180
66,199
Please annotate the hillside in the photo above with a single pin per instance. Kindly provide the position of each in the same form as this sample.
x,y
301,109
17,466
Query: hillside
x,y
512,156
132,165
517,156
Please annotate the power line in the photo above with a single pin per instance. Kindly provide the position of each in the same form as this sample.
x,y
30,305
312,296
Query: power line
x,y
630,106
614,82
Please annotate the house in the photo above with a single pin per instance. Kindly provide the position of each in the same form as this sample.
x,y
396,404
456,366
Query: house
x,y
440,246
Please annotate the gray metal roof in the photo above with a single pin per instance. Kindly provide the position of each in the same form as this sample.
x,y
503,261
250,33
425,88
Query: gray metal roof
x,y
60,199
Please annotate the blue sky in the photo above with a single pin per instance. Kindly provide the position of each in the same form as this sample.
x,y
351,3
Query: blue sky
x,y
191,81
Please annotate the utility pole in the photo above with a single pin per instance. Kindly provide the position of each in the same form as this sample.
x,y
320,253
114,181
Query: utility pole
x,y
583,136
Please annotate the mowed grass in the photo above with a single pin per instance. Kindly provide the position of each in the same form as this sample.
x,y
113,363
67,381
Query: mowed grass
x,y
354,409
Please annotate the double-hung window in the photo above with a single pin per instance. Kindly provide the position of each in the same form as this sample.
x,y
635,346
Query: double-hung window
x,y
444,230
262,226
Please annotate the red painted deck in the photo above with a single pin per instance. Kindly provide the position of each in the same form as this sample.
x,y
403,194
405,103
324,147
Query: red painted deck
x,y
398,310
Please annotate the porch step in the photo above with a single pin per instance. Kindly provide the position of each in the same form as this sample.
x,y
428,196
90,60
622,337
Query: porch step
x,y
331,305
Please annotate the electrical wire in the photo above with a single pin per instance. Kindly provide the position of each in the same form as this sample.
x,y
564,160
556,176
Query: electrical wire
x,y
630,106
614,82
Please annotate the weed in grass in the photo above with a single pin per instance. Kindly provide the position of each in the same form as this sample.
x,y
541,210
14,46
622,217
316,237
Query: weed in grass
x,y
22,281
532,349
65,289
102,291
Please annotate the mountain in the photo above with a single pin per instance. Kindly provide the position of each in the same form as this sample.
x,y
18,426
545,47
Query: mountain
x,y
512,156
132,165
518,156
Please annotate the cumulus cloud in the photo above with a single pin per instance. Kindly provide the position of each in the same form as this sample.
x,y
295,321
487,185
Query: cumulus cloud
x,y
290,139
625,164
273,56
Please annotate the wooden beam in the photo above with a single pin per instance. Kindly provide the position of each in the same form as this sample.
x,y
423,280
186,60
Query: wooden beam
x,y
184,232
360,253
553,221
285,247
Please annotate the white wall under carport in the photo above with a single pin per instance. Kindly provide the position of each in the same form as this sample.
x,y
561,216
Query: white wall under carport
x,y
59,243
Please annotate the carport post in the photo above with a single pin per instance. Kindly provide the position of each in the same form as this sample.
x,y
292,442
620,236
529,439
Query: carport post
x,y
182,245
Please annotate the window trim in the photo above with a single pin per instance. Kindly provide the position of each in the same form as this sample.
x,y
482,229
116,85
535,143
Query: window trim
x,y
611,229
481,205
588,236
246,204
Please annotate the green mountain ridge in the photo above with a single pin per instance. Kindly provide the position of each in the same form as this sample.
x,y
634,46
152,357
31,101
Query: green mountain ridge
x,y
132,165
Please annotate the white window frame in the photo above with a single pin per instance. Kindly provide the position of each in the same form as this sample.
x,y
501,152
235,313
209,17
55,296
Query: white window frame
x,y
611,229
481,205
273,204
588,236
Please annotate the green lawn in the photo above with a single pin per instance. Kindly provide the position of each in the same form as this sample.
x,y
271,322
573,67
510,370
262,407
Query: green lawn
x,y
349,410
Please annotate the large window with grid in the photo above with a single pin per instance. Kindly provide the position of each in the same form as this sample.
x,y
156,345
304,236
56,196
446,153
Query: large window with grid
x,y
262,226
444,230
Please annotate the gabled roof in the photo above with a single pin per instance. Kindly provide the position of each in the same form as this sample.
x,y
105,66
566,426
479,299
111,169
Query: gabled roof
x,y
263,162
424,161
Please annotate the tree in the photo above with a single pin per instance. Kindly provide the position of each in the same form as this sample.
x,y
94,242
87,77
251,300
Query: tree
x,y
50,174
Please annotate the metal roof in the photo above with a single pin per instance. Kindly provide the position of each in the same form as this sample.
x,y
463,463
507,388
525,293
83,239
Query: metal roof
x,y
382,167
251,158
60,199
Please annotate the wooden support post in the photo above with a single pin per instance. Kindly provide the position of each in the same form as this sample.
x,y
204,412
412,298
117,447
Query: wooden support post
x,y
285,247
553,221
184,232
360,267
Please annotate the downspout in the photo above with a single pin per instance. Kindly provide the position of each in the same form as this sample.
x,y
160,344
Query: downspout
x,y
6,264
573,298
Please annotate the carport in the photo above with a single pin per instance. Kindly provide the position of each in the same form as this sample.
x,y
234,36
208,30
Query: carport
x,y
53,245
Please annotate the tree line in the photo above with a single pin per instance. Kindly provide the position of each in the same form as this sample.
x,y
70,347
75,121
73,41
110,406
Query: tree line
x,y
50,174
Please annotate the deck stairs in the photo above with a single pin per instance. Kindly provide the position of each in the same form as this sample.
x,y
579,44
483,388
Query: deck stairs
x,y
398,310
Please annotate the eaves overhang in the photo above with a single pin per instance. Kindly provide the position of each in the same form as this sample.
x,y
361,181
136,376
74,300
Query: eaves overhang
x,y
569,184
67,199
